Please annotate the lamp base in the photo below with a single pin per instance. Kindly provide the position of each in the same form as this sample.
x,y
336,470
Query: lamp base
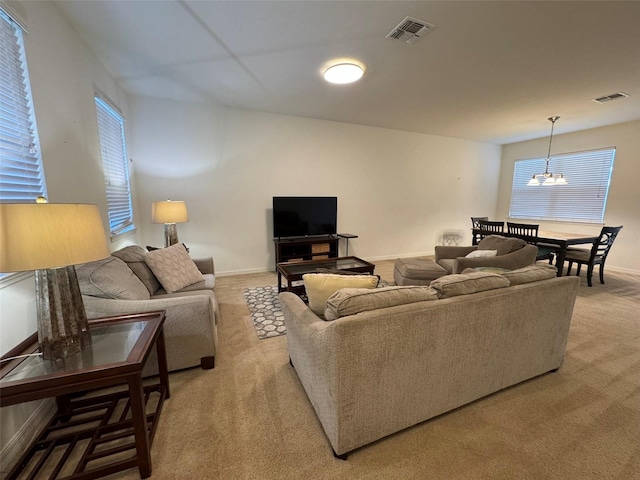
x,y
170,234
63,330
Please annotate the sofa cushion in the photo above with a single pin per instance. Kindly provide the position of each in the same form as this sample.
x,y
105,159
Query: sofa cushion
x,y
209,283
464,284
482,253
320,286
350,301
502,244
110,278
532,273
173,267
135,258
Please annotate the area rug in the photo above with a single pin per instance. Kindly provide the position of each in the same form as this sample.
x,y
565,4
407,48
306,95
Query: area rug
x,y
265,311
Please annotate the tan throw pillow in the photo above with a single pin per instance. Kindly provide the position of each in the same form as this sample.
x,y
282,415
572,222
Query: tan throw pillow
x,y
482,253
320,286
350,301
173,267
461,284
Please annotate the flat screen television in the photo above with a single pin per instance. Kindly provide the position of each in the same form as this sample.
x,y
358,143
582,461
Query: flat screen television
x,y
304,216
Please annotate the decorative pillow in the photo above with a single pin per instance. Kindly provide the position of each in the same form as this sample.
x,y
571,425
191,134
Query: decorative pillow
x,y
482,253
502,244
464,284
320,286
531,273
349,301
173,267
110,278
135,258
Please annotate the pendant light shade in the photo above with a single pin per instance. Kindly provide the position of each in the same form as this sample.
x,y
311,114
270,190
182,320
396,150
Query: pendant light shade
x,y
547,178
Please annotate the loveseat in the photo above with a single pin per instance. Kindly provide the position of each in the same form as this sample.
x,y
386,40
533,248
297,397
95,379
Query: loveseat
x,y
396,356
124,283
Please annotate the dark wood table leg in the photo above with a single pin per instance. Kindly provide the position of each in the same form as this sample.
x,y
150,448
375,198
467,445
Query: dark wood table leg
x,y
560,256
139,417
279,281
163,369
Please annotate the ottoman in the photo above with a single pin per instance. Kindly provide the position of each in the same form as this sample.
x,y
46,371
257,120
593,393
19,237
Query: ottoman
x,y
416,271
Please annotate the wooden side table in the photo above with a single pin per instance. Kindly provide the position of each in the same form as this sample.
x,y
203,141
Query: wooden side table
x,y
97,434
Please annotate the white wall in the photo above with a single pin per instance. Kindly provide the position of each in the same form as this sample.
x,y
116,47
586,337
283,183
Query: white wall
x,y
623,204
63,74
398,191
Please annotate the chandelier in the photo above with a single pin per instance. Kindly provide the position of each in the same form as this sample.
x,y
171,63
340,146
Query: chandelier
x,y
548,178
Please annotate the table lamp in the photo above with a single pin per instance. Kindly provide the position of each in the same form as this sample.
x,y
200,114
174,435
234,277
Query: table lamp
x,y
50,239
169,212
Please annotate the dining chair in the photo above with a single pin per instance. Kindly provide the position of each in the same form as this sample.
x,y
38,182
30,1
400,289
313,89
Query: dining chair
x,y
488,227
596,256
475,229
529,233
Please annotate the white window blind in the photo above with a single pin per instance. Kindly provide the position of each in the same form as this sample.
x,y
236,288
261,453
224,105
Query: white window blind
x,y
21,174
583,199
114,164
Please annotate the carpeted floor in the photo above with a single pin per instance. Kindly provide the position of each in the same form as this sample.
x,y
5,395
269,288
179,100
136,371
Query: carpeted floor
x,y
250,419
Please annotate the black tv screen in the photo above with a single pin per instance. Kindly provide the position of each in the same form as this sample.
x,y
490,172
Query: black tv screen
x,y
304,216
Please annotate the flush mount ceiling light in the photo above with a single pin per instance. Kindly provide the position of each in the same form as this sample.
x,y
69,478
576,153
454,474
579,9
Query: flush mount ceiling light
x,y
342,73
547,177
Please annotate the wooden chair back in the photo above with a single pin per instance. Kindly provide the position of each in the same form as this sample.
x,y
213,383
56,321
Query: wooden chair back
x,y
475,229
603,244
488,227
526,231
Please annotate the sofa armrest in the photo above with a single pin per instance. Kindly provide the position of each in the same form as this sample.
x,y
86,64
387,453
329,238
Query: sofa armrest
x,y
189,326
452,251
205,265
511,261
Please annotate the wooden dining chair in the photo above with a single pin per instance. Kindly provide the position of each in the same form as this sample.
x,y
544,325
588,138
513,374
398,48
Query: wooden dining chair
x,y
596,256
529,233
475,229
488,227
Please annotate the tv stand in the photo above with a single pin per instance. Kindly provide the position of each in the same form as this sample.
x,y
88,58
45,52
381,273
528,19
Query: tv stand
x,y
298,249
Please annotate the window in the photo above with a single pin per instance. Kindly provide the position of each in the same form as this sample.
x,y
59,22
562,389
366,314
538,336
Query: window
x,y
21,174
583,199
114,164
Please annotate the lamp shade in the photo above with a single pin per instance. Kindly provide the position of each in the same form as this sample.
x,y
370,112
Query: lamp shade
x,y
169,211
36,236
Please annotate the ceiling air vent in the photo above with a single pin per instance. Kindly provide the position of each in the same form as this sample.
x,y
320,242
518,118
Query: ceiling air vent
x,y
610,97
410,30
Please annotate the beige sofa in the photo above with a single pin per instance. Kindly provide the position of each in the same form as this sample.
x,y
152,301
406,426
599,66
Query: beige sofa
x,y
388,365
123,283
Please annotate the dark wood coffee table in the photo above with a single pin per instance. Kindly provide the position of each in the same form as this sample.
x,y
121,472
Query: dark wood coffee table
x,y
293,271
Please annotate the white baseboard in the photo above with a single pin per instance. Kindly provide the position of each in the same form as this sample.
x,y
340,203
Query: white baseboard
x,y
27,433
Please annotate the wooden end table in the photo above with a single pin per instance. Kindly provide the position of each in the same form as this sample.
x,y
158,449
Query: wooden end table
x,y
293,271
109,432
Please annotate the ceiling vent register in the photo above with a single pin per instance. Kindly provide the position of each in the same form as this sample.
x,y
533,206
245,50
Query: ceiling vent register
x,y
410,30
610,97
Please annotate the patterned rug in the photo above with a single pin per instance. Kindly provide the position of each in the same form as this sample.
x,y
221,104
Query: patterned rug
x,y
265,311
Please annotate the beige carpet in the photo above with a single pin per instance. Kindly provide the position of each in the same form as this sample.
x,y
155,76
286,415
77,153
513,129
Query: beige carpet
x,y
249,418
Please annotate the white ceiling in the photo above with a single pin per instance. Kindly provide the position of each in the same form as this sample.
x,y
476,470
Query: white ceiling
x,y
489,71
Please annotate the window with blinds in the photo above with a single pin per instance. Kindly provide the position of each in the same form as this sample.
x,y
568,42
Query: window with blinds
x,y
583,199
114,164
21,174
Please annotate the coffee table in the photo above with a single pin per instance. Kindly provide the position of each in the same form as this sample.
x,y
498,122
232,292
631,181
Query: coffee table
x,y
293,271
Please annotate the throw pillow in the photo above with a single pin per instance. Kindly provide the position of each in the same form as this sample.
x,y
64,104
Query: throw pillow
x,y
135,258
350,301
320,286
532,273
110,278
482,253
173,267
464,284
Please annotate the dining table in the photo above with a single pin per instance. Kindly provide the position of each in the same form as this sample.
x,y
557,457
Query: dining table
x,y
560,241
